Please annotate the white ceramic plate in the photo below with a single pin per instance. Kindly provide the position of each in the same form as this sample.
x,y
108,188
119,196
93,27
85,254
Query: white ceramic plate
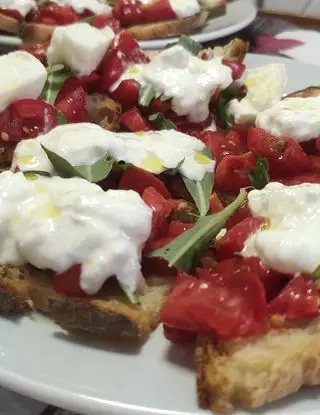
x,y
239,14
41,361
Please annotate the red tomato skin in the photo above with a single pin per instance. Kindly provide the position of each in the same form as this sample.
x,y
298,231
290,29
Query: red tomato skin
x,y
215,203
299,299
231,173
71,101
176,228
14,14
157,105
127,93
242,213
134,121
303,178
68,282
234,240
53,14
104,20
236,67
38,50
317,145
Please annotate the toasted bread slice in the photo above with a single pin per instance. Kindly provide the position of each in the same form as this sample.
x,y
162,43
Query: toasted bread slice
x,y
312,91
108,313
9,24
168,28
235,50
36,32
104,111
255,371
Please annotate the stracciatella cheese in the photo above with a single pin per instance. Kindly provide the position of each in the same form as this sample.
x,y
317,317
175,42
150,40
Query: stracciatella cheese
x,y
55,223
289,243
22,6
80,46
297,118
265,86
185,8
189,80
95,6
22,76
85,143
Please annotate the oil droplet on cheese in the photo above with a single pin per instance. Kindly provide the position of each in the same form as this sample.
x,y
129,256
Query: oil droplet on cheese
x,y
152,163
201,158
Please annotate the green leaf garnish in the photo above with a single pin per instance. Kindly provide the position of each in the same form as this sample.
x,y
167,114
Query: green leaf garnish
x,y
146,95
133,298
54,83
61,119
184,251
164,98
124,165
259,176
94,173
176,169
55,68
188,43
224,116
37,172
161,122
201,191
87,19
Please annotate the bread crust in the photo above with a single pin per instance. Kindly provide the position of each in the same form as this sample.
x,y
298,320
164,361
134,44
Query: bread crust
x,y
168,28
108,313
9,24
36,32
235,50
311,91
255,371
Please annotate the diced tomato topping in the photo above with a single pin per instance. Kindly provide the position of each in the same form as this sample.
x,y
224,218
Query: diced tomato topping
x,y
215,203
227,305
127,93
299,299
134,121
53,14
232,173
38,50
71,101
68,282
139,180
234,240
157,105
236,67
177,228
14,14
304,178
242,213
104,20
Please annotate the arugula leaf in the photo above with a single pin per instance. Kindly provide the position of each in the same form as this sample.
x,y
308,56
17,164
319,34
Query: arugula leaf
x,y
188,43
133,298
175,170
61,119
259,176
53,84
164,98
146,95
184,251
55,68
37,172
201,191
161,122
94,173
224,116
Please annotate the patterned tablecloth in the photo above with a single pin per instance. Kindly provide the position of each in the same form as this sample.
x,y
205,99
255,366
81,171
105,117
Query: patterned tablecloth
x,y
276,37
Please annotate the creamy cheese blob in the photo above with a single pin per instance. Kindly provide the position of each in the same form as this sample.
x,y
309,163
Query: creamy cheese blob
x,y
55,223
265,86
297,118
85,143
290,241
22,6
22,76
185,8
79,46
95,6
189,80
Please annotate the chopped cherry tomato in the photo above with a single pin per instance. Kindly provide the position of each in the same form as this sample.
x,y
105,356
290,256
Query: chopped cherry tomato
x,y
134,121
317,145
236,67
215,203
71,101
157,105
231,173
157,10
68,282
315,163
242,213
14,14
265,145
128,12
139,180
127,93
177,228
304,178
234,240
104,20
53,14
178,336
242,131
299,299
38,50
156,266
191,128
228,305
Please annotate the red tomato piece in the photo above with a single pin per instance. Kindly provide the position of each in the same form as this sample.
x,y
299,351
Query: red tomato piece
x,y
265,145
14,14
299,299
128,12
157,10
176,228
134,121
127,93
68,282
139,180
133,12
104,20
221,305
71,101
242,213
234,239
178,336
242,131
157,105
303,178
38,50
215,203
231,173
317,145
236,67
53,14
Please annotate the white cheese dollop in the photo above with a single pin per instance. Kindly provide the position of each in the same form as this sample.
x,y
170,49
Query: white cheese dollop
x,y
185,8
265,86
55,223
95,6
297,118
79,46
291,243
22,6
85,143
189,80
22,76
